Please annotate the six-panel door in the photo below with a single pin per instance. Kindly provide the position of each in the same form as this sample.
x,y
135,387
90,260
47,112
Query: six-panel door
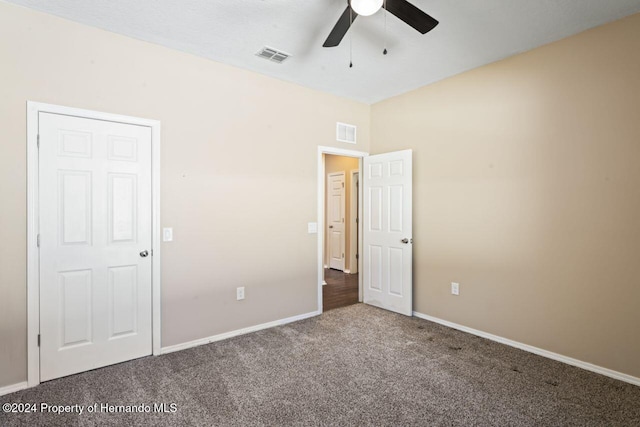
x,y
387,231
95,220
335,220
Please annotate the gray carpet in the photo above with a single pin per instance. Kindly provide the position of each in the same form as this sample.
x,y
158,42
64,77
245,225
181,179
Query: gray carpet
x,y
356,365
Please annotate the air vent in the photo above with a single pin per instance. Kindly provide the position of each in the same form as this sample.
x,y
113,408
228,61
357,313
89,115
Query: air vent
x,y
345,133
272,54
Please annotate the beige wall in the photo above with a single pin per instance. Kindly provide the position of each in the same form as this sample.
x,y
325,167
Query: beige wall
x,y
236,148
525,189
340,164
527,192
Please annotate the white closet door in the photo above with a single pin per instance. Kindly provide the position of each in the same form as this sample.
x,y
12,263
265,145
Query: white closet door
x,y
95,243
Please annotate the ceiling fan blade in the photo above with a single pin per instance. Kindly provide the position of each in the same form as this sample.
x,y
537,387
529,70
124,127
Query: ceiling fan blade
x,y
341,28
411,15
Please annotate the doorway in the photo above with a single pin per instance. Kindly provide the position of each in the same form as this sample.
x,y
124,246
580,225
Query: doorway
x,y
384,229
340,270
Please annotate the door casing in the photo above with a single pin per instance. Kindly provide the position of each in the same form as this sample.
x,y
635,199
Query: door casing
x,y
354,220
33,258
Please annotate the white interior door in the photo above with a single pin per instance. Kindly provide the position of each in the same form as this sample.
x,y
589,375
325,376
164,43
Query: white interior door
x,y
95,243
387,231
335,220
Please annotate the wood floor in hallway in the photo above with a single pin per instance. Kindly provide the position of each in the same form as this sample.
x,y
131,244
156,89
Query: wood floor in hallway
x,y
341,289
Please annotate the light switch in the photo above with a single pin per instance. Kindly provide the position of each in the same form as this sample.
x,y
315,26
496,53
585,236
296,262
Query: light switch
x,y
167,234
312,227
455,288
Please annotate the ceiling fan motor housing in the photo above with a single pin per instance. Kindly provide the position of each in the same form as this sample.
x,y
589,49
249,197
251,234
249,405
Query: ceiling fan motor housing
x,y
365,7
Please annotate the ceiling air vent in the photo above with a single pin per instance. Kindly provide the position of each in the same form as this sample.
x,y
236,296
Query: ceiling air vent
x,y
345,133
272,54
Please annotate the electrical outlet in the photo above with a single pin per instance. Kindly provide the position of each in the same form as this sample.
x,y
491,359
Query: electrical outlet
x,y
240,293
455,288
167,234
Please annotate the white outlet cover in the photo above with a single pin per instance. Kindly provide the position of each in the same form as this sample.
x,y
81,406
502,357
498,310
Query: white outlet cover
x,y
240,293
167,234
455,288
312,227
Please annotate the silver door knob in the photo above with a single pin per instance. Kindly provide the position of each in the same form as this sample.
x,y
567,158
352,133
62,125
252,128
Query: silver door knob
x,y
405,240
144,254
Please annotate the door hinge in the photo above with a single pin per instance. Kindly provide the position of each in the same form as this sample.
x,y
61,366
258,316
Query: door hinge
x,y
38,240
343,185
357,256
342,219
342,255
38,141
38,340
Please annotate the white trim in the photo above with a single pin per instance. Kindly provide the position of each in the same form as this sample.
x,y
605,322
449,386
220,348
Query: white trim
x,y
33,260
360,228
231,334
346,271
13,388
33,279
535,350
353,207
322,150
156,240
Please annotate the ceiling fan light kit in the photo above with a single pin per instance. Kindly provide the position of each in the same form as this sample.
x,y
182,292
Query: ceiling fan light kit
x,y
366,7
402,9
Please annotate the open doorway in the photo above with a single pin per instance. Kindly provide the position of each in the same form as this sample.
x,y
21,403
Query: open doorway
x,y
384,232
340,250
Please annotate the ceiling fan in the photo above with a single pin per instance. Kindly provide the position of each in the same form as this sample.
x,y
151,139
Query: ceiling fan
x,y
400,8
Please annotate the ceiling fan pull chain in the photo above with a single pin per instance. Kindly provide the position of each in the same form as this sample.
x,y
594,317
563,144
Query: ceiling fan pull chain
x,y
384,52
350,38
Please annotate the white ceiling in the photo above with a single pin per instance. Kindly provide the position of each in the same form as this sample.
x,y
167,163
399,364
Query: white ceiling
x,y
471,33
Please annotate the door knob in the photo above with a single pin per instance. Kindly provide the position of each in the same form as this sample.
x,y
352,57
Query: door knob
x,y
331,226
405,240
144,254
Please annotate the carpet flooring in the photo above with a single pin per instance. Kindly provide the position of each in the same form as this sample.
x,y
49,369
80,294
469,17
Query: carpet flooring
x,y
351,366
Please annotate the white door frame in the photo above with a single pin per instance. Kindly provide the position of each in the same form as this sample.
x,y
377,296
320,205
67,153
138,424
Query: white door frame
x,y
33,259
322,150
353,211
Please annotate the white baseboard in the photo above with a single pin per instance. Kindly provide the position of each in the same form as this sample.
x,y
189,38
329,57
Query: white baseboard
x,y
225,335
324,283
347,271
535,350
13,388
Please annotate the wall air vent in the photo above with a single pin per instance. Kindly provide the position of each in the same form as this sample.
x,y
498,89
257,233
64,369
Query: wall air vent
x,y
273,55
345,133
